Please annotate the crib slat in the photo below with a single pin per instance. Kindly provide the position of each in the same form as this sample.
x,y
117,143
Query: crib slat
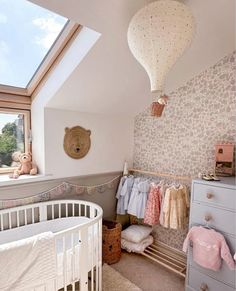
x,y
73,209
79,209
18,218
59,206
10,222
64,263
73,261
96,258
1,221
67,205
92,258
33,218
52,211
25,212
99,235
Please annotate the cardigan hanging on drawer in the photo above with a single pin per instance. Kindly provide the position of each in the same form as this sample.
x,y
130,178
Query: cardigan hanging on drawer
x,y
209,247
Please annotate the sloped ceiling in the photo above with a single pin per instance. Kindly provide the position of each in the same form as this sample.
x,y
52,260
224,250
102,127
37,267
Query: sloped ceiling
x,y
109,80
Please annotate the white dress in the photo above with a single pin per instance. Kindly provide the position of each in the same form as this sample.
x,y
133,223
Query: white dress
x,y
120,202
123,194
138,198
126,191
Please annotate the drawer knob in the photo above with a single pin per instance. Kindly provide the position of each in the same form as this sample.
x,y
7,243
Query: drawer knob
x,y
203,287
209,195
208,217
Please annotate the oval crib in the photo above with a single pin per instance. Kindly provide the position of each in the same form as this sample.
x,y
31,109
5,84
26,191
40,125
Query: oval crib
x,y
77,233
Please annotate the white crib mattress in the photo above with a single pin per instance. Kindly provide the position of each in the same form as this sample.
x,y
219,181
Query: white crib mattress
x,y
29,230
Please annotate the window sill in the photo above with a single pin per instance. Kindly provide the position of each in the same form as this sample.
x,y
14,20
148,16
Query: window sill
x,y
6,181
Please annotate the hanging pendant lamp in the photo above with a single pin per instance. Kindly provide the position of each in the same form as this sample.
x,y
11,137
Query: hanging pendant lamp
x,y
158,34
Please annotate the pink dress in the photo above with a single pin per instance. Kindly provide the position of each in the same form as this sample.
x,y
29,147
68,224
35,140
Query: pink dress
x,y
152,211
209,247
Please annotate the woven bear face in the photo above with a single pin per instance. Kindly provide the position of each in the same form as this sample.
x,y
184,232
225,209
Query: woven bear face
x,y
77,142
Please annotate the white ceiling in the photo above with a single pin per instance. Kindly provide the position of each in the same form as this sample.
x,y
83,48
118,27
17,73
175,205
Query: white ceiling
x,y
109,80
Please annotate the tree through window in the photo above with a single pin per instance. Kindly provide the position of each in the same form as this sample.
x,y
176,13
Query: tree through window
x,y
13,137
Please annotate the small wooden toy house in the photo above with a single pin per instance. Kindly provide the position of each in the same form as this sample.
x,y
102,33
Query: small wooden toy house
x,y
224,159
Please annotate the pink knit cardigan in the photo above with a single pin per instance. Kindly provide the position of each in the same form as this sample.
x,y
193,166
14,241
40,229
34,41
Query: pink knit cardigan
x,y
209,248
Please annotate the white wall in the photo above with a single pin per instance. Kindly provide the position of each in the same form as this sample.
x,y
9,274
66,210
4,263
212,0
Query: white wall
x,y
37,125
111,143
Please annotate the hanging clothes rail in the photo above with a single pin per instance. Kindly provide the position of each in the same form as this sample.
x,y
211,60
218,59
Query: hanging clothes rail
x,y
159,252
158,174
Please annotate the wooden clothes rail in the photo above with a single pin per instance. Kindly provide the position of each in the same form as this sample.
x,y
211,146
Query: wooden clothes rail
x,y
161,253
159,174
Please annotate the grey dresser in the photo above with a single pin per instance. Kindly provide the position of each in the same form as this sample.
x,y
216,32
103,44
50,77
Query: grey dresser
x,y
214,203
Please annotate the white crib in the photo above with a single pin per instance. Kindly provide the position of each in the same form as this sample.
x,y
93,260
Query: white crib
x,y
77,228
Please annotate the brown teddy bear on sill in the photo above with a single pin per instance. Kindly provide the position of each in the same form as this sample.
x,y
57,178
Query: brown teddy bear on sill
x,y
26,167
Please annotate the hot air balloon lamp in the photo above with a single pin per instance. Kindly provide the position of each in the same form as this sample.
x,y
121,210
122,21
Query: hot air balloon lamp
x,y
158,34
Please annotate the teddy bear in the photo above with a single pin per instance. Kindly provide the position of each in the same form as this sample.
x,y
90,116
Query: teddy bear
x,y
26,167
15,159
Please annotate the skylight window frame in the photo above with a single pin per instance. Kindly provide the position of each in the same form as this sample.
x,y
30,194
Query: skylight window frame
x,y
69,29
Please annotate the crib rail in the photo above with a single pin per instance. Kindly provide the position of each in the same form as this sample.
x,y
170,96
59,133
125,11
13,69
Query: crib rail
x,y
33,213
80,256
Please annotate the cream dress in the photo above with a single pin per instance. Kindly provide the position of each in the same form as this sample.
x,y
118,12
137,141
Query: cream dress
x,y
175,207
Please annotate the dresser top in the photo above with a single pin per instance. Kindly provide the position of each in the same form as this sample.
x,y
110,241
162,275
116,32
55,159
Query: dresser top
x,y
229,182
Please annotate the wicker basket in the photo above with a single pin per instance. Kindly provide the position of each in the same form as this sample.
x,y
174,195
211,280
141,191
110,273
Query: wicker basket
x,y
111,242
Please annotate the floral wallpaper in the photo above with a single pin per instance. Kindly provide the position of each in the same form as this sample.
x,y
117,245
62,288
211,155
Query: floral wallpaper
x,y
198,115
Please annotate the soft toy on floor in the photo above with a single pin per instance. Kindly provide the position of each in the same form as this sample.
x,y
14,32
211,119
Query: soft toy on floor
x,y
26,167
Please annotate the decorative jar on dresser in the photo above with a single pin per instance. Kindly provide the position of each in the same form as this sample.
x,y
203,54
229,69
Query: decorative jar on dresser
x,y
214,204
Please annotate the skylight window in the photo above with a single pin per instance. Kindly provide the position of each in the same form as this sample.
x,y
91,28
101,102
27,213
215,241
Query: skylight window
x,y
27,34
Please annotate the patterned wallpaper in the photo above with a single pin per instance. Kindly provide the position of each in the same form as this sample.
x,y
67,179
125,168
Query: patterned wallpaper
x,y
199,114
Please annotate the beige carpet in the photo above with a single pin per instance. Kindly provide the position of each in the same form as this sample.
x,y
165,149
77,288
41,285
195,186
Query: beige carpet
x,y
148,275
114,281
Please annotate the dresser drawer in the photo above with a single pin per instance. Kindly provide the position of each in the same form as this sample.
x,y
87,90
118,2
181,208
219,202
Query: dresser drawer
x,y
218,196
200,282
224,274
219,219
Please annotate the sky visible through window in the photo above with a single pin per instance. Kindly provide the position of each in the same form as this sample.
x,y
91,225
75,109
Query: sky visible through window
x,y
27,32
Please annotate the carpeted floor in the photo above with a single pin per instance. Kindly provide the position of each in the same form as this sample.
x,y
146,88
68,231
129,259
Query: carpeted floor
x,y
114,281
147,275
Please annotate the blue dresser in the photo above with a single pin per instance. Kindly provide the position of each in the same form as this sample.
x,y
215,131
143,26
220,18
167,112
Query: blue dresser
x,y
213,203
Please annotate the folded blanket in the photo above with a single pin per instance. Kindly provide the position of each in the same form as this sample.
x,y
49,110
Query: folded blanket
x,y
28,262
136,247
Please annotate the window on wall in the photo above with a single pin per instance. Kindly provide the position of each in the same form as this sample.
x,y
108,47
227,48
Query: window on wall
x,y
31,39
14,137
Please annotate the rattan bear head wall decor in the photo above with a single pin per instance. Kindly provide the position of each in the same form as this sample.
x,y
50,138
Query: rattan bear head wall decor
x,y
77,142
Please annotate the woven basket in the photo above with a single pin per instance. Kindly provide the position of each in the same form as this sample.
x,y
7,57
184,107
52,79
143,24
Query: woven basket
x,y
111,242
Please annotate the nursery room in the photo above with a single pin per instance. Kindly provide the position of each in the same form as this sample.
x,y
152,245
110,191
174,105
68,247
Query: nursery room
x,y
117,145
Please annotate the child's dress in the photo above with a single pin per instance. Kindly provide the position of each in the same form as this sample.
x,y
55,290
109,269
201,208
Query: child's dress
x,y
209,247
126,191
138,198
123,194
120,202
176,203
152,211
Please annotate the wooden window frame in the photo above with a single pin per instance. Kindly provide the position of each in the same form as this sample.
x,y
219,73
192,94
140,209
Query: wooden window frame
x,y
27,128
70,29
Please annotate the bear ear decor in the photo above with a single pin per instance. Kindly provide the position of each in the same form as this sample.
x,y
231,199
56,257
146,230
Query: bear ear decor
x,y
77,142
